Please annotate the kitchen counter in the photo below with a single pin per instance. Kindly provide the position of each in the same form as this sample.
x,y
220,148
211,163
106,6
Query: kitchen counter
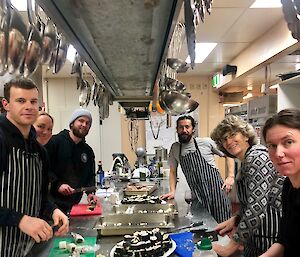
x,y
84,224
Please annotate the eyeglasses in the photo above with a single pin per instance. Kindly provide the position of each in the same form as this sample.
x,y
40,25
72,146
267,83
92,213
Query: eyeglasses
x,y
227,136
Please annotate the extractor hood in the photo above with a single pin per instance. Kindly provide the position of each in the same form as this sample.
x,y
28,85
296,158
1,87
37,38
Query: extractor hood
x,y
124,42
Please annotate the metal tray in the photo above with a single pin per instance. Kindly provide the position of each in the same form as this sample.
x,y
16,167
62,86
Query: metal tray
x,y
146,188
122,224
169,209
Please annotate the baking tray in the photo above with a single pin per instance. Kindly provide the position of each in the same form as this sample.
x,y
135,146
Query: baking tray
x,y
122,224
146,188
169,209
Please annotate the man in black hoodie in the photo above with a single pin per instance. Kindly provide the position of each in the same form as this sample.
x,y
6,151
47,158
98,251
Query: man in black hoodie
x,y
23,175
72,162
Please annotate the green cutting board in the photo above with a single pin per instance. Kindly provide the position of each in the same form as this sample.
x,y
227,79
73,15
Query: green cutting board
x,y
56,252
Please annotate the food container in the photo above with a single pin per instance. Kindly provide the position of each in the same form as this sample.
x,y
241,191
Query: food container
x,y
121,224
141,188
169,209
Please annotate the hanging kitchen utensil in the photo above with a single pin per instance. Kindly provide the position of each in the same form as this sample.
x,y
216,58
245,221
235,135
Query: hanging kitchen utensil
x,y
94,89
16,39
49,41
99,96
4,20
61,54
34,44
176,64
174,85
178,103
190,31
85,93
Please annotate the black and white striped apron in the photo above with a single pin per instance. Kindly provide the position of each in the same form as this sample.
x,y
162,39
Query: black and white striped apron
x,y
206,183
20,187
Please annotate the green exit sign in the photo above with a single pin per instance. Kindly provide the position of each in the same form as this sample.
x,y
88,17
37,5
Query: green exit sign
x,y
216,80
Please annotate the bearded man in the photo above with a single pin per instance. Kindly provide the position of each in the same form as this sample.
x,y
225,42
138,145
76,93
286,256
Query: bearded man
x,y
196,158
72,162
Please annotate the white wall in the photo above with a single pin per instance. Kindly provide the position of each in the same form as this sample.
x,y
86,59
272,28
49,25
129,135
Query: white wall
x,y
62,99
288,96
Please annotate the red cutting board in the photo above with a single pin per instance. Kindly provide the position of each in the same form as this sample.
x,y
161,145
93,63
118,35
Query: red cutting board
x,y
82,209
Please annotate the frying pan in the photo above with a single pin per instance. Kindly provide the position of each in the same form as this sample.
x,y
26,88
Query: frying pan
x,y
3,39
49,41
61,54
16,40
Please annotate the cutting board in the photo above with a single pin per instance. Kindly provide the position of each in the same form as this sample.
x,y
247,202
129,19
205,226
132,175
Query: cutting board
x,y
82,209
184,244
56,252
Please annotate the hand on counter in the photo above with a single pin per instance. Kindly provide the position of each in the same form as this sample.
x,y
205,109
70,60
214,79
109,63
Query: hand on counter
x,y
65,189
37,228
228,250
168,196
226,226
60,220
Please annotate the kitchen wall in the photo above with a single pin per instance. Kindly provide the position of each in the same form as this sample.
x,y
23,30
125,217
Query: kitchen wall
x,y
62,99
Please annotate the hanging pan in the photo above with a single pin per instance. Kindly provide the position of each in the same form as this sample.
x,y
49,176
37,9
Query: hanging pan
x,y
4,20
61,54
16,39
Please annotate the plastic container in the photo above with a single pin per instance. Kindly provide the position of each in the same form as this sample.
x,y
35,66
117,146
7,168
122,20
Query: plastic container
x,y
204,249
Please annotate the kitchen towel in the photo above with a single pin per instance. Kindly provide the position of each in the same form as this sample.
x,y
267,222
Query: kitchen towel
x,y
184,244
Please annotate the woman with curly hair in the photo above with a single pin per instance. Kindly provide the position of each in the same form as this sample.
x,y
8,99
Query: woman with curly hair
x,y
255,226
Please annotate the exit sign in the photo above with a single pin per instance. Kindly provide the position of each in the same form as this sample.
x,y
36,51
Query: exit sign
x,y
216,80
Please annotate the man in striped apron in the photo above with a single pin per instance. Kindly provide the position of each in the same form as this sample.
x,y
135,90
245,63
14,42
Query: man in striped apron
x,y
196,158
23,175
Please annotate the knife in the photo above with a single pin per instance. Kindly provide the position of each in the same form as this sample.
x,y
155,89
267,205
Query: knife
x,y
82,189
195,224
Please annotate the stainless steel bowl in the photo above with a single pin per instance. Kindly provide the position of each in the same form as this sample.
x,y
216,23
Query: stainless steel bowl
x,y
176,64
174,85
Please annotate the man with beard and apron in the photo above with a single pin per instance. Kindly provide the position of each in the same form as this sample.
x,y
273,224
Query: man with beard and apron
x,y
196,158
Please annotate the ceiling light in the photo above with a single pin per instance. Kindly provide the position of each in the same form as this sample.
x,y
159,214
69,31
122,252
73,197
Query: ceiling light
x,y
202,51
71,53
249,95
249,88
297,66
275,86
266,4
21,5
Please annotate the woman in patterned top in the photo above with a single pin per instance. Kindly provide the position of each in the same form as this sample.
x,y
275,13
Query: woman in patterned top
x,y
255,226
282,135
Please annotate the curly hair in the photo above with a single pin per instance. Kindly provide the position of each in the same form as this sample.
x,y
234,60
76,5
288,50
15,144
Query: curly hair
x,y
232,124
288,117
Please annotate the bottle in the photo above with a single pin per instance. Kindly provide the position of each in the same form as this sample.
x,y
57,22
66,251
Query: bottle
x,y
159,167
204,249
100,175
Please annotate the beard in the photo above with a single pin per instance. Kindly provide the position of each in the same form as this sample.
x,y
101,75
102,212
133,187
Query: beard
x,y
78,133
184,138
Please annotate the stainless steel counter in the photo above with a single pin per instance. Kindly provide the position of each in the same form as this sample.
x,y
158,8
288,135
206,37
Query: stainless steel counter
x,y
84,224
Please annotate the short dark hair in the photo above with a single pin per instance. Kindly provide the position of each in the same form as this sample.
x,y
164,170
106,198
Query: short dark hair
x,y
23,83
186,117
288,117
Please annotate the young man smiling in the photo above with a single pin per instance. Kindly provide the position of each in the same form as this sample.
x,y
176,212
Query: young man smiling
x,y
23,174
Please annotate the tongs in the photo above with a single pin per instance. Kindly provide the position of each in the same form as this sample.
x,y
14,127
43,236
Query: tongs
x,y
192,225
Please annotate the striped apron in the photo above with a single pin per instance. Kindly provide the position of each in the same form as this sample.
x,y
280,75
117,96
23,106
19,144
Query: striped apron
x,y
20,187
206,183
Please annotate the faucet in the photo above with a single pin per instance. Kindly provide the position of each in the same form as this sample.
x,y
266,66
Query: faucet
x,y
113,165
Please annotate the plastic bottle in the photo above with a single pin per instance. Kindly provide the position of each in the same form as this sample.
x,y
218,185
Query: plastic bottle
x,y
204,249
100,175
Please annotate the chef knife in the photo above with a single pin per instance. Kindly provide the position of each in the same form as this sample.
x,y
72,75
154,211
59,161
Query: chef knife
x,y
82,189
195,224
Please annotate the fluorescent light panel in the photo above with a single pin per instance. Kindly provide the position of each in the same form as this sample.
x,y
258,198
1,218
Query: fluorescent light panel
x,y
275,86
202,51
266,4
21,5
71,53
